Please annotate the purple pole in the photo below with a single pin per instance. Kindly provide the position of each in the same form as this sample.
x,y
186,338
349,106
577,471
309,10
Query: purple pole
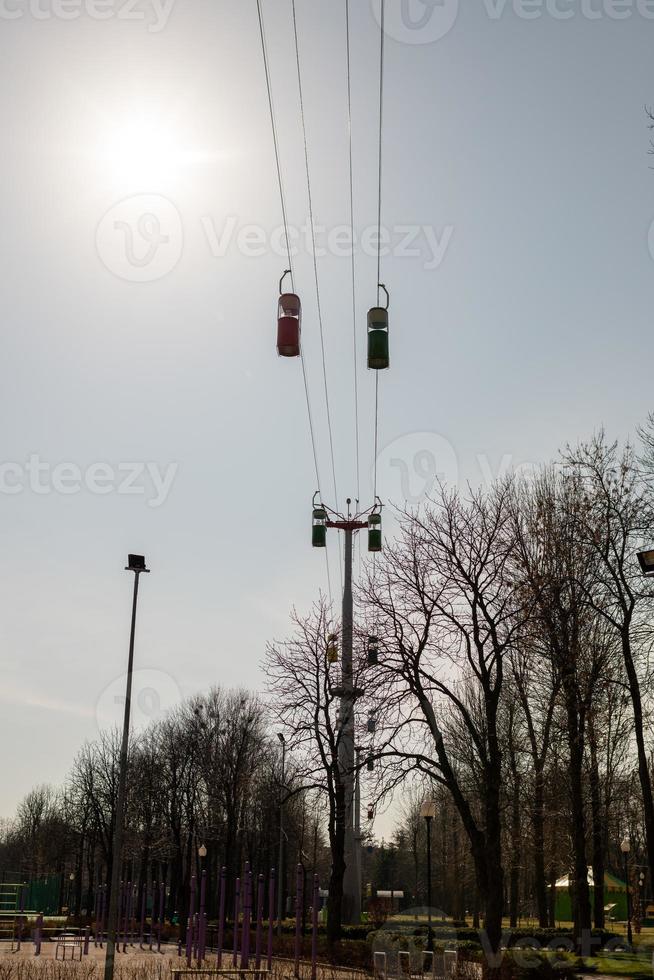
x,y
203,899
314,927
162,913
247,911
221,915
271,915
128,913
260,887
21,907
153,913
96,909
123,905
299,899
237,910
121,896
87,937
124,915
132,910
144,897
247,907
103,906
39,932
189,931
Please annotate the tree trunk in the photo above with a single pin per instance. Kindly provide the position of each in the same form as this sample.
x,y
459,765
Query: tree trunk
x,y
580,891
538,822
494,903
514,875
337,842
597,830
335,897
643,766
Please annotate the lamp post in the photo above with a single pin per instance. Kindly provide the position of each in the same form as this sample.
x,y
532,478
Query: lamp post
x,y
428,812
202,853
136,564
280,891
625,847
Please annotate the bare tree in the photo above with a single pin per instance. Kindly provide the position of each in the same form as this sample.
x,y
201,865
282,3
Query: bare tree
x,y
304,690
448,612
611,524
537,684
556,570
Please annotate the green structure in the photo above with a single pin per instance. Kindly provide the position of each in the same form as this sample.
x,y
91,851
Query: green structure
x,y
615,897
10,887
39,894
43,894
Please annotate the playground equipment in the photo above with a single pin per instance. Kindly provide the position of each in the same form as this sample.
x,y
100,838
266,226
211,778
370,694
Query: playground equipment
x,y
423,964
252,897
10,892
236,973
69,943
250,954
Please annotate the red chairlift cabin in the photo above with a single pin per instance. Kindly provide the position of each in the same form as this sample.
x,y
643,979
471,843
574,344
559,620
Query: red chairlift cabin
x,y
289,322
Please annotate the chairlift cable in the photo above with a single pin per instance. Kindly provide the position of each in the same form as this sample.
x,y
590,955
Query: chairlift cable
x,y
315,267
379,218
354,314
282,198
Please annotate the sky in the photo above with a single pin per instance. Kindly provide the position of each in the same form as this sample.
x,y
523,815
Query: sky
x,y
145,408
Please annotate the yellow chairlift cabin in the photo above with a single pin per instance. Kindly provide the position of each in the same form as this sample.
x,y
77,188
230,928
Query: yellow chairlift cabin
x,y
332,648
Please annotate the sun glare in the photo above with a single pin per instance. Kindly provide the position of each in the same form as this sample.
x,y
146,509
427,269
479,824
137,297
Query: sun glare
x,y
142,151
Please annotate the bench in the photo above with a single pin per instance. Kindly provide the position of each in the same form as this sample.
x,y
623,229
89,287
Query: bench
x,y
72,943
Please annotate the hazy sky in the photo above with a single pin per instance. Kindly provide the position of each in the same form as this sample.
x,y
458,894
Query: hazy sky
x,y
140,265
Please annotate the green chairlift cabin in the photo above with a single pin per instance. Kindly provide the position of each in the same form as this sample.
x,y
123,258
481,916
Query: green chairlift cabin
x,y
378,355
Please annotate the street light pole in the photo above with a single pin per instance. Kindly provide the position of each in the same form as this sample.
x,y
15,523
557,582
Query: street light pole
x,y
202,854
625,847
280,889
136,564
428,812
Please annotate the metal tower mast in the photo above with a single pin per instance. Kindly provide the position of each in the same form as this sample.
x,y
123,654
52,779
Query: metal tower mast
x,y
348,695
